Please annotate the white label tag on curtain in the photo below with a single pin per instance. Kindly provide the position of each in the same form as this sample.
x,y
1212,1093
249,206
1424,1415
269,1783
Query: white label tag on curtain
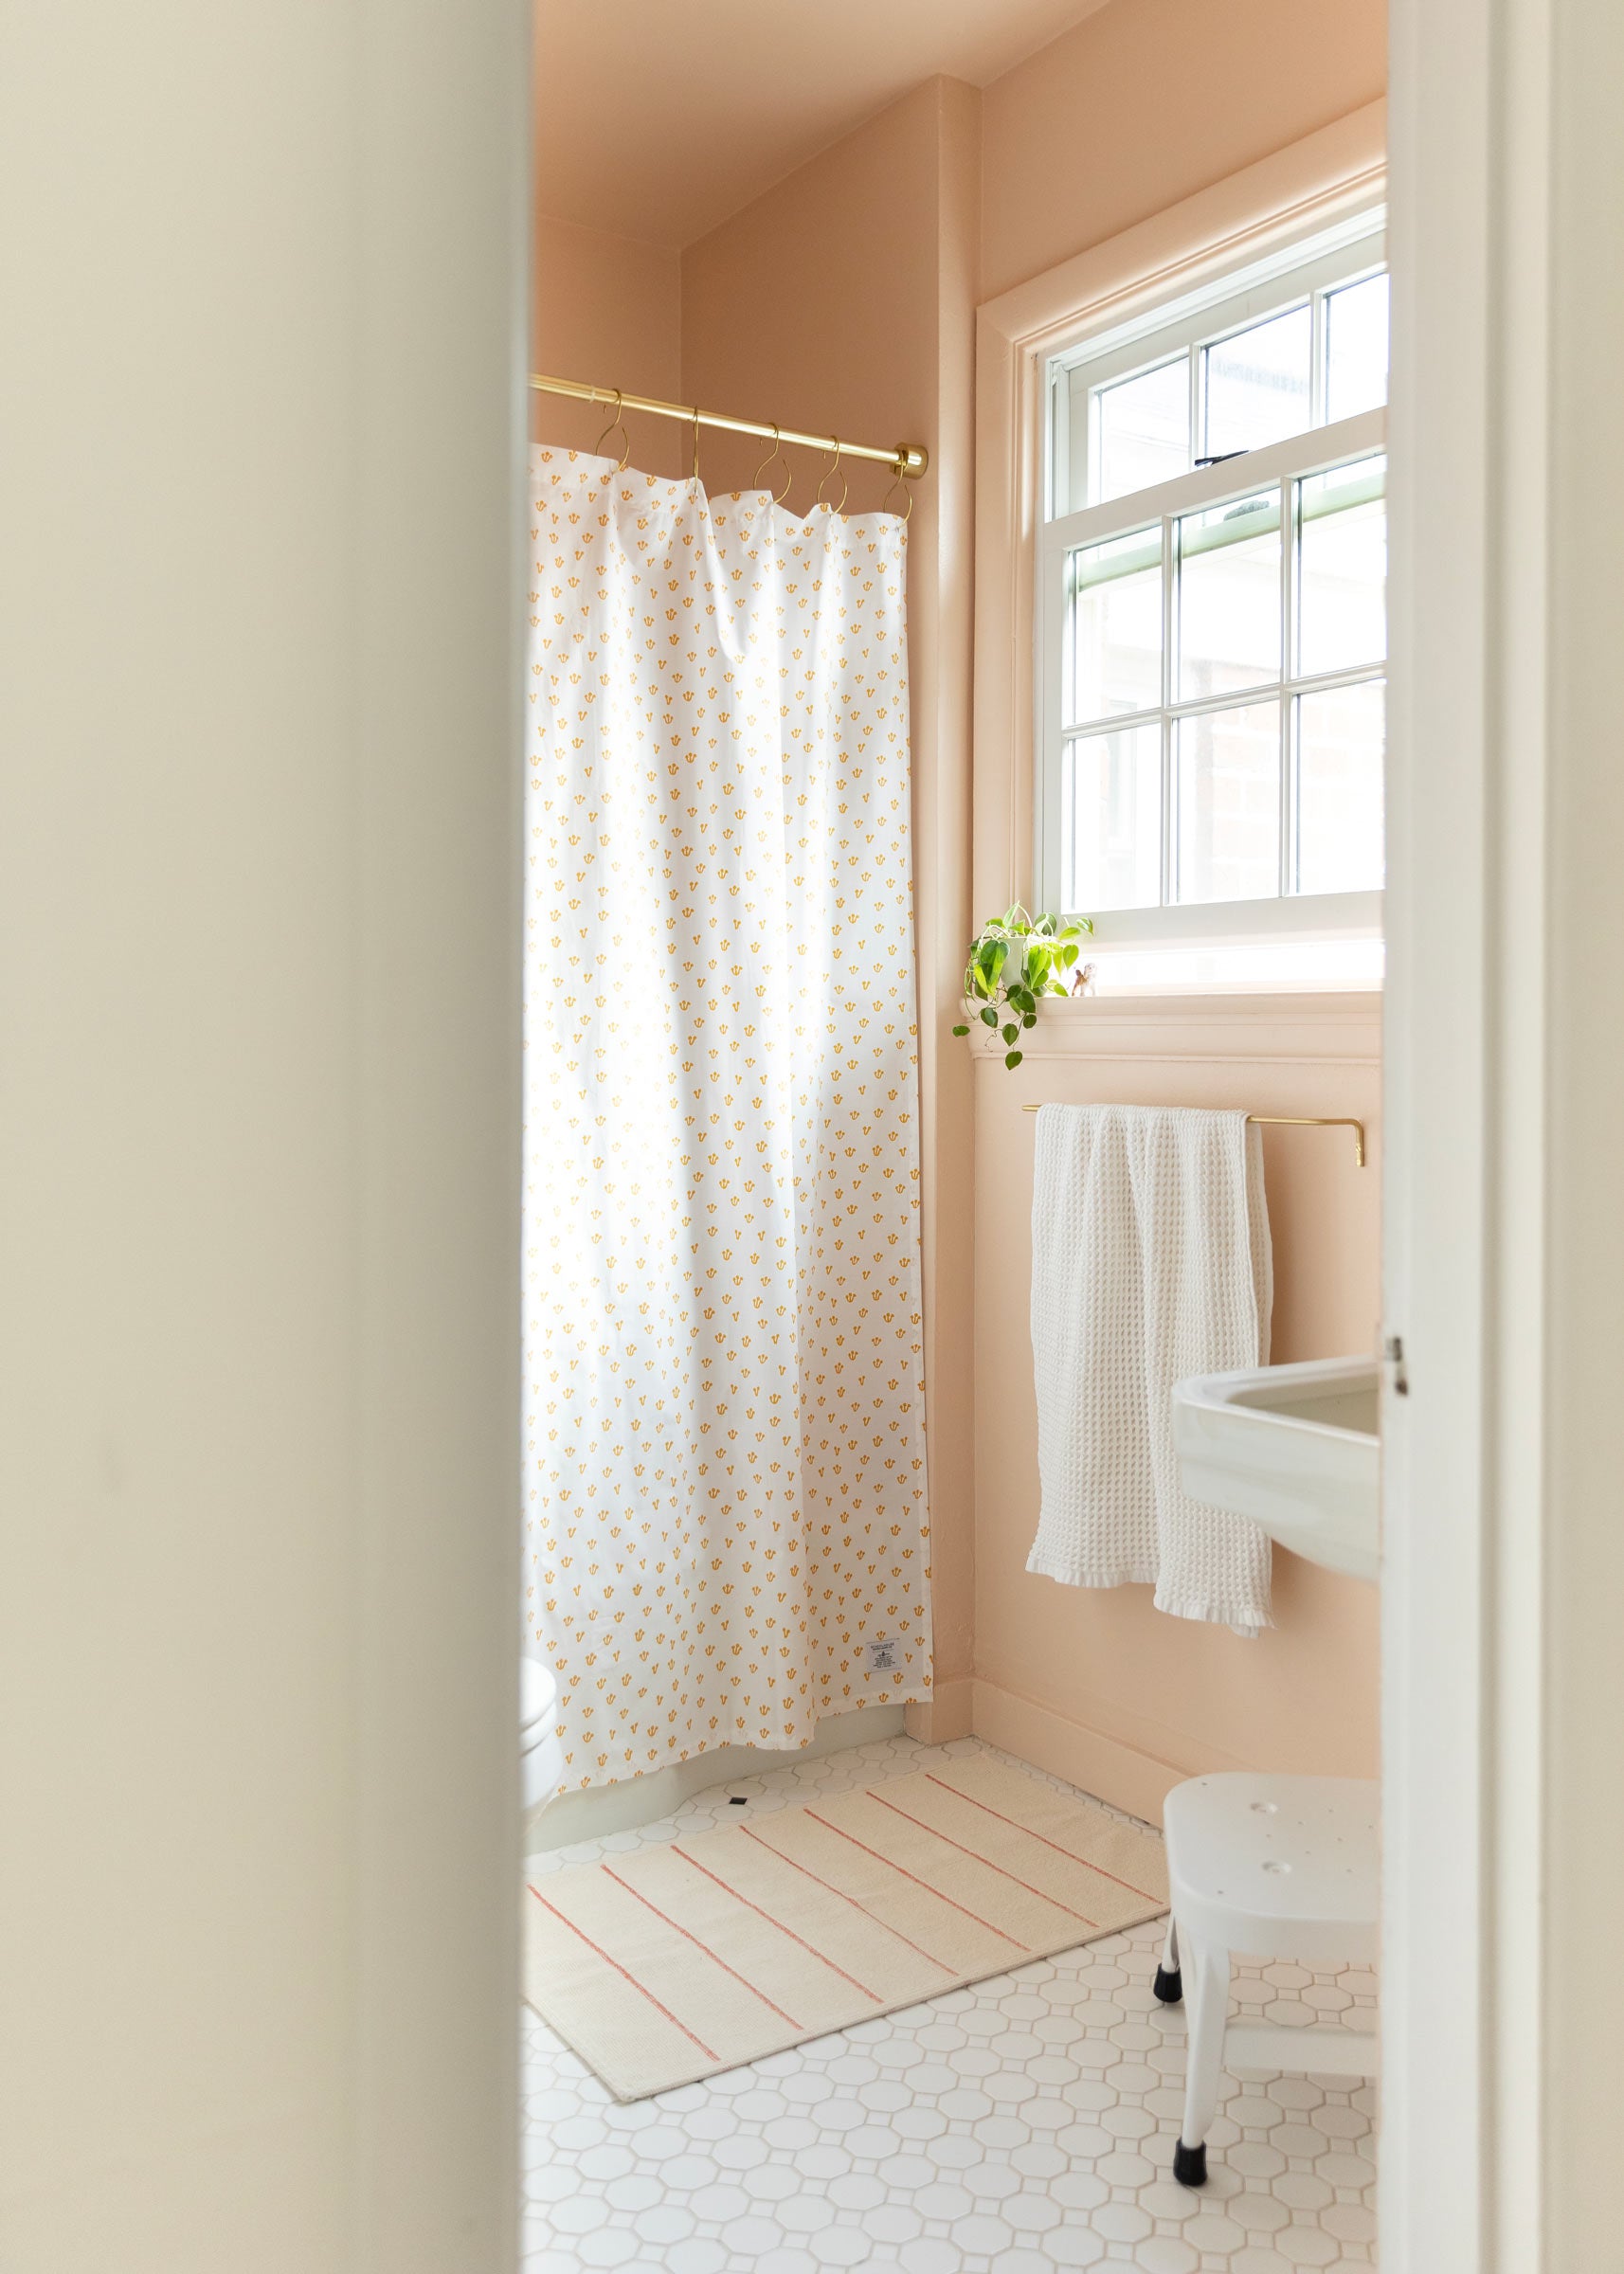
x,y
882,1657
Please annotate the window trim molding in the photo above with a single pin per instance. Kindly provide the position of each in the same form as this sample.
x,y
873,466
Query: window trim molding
x,y
1296,193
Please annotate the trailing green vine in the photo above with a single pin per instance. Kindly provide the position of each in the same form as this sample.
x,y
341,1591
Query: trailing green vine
x,y
1015,960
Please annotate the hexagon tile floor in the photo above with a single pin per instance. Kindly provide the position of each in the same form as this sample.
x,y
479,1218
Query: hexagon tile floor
x,y
1020,2126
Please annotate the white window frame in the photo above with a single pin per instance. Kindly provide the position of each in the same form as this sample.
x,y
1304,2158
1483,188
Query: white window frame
x,y
1354,249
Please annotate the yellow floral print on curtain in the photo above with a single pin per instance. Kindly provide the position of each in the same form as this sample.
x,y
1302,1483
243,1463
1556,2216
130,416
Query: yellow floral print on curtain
x,y
725,1493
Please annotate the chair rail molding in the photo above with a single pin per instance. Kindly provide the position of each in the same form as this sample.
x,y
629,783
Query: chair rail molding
x,y
1285,1028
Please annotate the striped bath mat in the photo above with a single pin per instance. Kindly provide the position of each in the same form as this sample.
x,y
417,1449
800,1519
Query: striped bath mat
x,y
676,1961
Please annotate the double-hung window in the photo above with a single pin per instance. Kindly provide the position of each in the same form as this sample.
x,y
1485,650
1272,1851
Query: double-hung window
x,y
1211,633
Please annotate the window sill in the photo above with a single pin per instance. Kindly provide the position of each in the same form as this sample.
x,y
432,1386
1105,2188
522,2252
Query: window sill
x,y
1248,963
1198,989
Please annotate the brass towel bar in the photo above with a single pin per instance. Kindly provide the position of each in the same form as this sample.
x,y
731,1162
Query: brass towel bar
x,y
1299,1121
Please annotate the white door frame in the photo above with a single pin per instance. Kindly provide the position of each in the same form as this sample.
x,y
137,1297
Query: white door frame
x,y
1502,1665
262,558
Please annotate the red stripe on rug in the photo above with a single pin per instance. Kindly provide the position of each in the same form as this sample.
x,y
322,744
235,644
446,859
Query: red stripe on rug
x,y
603,1954
829,1888
892,1864
1052,1901
872,1996
678,1928
1142,1893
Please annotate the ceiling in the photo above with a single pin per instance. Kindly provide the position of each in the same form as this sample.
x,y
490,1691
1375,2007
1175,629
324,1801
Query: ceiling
x,y
659,118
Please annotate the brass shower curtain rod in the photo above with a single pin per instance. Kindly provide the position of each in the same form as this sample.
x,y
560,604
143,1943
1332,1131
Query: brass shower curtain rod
x,y
910,459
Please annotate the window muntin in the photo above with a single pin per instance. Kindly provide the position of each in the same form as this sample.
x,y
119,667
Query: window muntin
x,y
1115,626
1113,825
1341,569
1221,726
1226,597
1250,365
1212,641
1355,349
1226,776
1140,430
1257,384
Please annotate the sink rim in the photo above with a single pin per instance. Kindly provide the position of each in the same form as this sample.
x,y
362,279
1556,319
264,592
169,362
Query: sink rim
x,y
1239,1391
1313,1487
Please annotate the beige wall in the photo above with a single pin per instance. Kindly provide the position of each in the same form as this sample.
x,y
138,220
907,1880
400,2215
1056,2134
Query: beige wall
x,y
841,302
1148,100
259,1224
606,309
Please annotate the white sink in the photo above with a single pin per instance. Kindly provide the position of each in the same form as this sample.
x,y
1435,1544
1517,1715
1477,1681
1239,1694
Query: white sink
x,y
1298,1449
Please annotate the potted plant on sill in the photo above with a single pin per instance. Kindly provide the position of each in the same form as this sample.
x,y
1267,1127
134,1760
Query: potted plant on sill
x,y
1015,961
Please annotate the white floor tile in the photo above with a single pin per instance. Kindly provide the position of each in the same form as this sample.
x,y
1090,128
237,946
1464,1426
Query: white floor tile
x,y
1022,2125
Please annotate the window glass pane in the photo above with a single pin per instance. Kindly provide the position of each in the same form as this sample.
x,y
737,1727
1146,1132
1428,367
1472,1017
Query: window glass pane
x,y
1341,569
1340,738
1116,626
1228,597
1228,799
1257,384
1112,786
1355,349
1142,430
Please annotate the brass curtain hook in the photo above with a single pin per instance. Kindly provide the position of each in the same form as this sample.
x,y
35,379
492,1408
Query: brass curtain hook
x,y
625,437
830,470
695,416
777,451
899,479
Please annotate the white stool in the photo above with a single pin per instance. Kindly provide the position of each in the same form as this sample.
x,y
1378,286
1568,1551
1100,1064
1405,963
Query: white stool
x,y
1266,1867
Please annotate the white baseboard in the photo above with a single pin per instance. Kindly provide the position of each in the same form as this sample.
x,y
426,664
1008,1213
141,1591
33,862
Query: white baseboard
x,y
611,1808
1093,1762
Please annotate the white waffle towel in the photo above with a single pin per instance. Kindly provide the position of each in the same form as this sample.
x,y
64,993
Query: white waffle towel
x,y
1151,1260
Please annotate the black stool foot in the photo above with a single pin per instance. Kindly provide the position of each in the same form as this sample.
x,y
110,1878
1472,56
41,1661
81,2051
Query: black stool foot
x,y
1190,2165
1169,1986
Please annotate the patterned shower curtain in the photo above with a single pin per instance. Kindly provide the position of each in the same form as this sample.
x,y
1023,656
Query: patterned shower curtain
x,y
724,1492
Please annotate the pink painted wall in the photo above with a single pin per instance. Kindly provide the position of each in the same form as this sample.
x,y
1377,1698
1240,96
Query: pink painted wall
x,y
1096,1684
842,301
1147,102
1138,107
606,310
